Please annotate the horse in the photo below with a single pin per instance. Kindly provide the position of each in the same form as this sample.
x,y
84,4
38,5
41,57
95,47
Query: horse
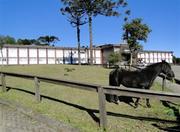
x,y
114,81
141,79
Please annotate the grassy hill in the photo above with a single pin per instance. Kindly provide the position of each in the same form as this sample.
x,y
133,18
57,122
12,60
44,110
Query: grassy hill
x,y
79,108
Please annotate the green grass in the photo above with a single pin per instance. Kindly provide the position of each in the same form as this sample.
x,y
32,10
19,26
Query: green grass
x,y
70,98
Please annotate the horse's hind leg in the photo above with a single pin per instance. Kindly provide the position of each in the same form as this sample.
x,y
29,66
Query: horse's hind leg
x,y
147,103
137,102
147,100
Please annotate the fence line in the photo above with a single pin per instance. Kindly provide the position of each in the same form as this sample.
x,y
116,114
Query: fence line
x,y
101,90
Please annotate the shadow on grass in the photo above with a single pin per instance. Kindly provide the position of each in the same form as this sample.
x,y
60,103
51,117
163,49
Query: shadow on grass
x,y
175,128
92,112
168,129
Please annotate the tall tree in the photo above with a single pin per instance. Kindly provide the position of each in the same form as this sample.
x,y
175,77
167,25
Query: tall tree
x,y
75,15
48,40
100,7
135,31
2,42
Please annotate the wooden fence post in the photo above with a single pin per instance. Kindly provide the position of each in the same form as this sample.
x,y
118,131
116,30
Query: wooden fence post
x,y
102,108
37,91
3,82
163,83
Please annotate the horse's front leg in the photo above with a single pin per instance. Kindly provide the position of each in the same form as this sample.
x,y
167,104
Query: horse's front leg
x,y
147,103
147,100
137,102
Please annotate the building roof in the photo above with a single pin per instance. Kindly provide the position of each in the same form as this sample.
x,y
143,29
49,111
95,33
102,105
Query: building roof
x,y
155,51
104,46
44,47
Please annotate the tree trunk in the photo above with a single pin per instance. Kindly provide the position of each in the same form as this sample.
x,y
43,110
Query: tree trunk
x,y
131,57
1,56
90,37
78,39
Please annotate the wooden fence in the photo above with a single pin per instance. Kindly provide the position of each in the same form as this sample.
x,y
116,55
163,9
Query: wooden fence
x,y
101,90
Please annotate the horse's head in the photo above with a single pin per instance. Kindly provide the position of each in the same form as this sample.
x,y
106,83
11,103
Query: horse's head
x,y
166,69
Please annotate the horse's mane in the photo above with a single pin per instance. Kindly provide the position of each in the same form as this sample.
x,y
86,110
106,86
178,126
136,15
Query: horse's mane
x,y
143,69
152,65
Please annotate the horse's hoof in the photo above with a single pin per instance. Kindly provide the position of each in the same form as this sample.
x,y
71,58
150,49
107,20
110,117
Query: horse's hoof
x,y
149,106
136,105
117,103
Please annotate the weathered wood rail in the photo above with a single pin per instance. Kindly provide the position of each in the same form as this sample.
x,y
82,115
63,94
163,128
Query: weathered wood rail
x,y
101,90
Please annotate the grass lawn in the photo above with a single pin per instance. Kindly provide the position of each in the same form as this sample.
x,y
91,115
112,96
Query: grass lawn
x,y
78,107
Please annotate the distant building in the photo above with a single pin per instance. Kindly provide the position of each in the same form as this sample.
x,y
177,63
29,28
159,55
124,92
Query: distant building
x,y
30,54
146,56
151,56
107,49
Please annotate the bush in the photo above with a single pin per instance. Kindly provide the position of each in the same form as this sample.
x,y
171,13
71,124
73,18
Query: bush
x,y
113,58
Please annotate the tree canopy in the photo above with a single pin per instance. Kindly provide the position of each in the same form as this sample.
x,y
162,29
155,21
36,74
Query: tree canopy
x,y
94,8
135,32
43,40
48,40
27,42
7,40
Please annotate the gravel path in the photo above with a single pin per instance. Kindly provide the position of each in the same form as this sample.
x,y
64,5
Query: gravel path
x,y
176,70
13,121
172,86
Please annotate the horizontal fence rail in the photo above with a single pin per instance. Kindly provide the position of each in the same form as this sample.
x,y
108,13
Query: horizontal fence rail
x,y
101,90
86,86
123,91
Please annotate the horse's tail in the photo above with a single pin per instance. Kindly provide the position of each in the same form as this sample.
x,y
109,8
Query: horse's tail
x,y
113,82
114,76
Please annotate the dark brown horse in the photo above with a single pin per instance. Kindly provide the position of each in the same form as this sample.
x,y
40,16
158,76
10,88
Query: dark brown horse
x,y
141,79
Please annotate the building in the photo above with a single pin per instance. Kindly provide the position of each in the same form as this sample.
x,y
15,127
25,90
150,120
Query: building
x,y
107,49
146,56
151,56
30,54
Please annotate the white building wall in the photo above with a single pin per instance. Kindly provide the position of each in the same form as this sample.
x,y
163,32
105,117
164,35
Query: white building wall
x,y
67,56
83,58
23,56
59,56
98,56
51,53
23,52
59,53
33,52
42,56
51,56
3,57
154,57
33,56
75,56
12,53
42,52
